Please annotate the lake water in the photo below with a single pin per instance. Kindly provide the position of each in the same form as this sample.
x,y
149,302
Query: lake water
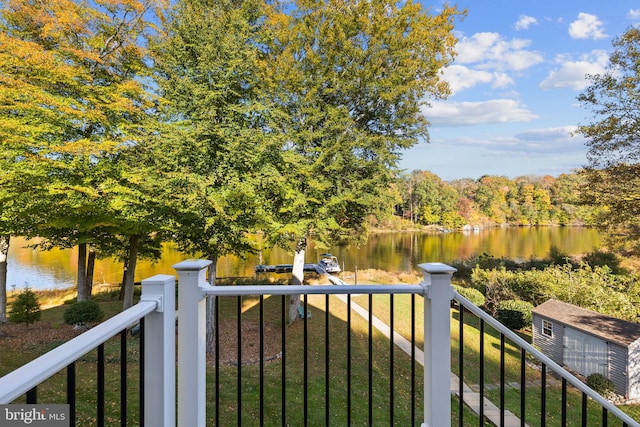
x,y
395,252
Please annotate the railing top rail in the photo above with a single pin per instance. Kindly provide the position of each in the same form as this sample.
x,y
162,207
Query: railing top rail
x,y
23,379
240,290
546,360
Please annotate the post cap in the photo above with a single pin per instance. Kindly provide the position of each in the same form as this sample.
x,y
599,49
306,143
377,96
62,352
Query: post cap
x,y
437,268
192,265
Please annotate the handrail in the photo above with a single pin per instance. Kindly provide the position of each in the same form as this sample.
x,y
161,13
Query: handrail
x,y
546,360
241,290
23,379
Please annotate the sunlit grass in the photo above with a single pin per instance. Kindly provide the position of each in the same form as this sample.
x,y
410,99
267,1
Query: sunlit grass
x,y
54,390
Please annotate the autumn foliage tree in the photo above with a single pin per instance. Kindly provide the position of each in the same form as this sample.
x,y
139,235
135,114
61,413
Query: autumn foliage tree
x,y
72,100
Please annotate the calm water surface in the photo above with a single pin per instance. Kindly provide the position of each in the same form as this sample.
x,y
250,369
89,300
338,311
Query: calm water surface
x,y
396,252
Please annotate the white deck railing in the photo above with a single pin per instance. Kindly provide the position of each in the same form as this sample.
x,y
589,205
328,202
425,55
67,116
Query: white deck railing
x,y
193,287
157,306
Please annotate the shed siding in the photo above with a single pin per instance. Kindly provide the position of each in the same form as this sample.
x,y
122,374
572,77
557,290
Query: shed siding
x,y
618,368
633,370
550,346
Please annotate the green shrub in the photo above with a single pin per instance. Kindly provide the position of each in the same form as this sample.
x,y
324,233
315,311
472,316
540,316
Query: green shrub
x,y
600,384
472,294
514,314
83,312
25,308
601,258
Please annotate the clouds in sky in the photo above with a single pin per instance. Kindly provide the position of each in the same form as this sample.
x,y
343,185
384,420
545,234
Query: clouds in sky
x,y
489,50
455,114
587,26
524,22
515,82
571,73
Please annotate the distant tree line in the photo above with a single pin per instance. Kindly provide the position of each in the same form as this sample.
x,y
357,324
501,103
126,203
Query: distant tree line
x,y
493,200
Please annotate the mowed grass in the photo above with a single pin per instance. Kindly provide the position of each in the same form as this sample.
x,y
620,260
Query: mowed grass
x,y
512,366
391,381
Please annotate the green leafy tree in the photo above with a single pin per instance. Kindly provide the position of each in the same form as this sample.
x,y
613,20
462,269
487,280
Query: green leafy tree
x,y
613,175
216,159
347,81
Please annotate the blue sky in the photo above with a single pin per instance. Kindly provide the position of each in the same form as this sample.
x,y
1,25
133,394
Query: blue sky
x,y
520,66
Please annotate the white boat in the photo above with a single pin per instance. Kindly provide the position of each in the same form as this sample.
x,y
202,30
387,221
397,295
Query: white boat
x,y
329,263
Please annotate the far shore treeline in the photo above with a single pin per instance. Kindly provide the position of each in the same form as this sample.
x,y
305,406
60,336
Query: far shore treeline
x,y
493,200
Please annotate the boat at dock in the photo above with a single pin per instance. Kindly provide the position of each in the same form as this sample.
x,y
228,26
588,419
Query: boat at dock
x,y
327,264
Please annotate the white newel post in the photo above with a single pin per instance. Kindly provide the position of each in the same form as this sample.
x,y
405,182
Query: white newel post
x,y
437,343
192,335
160,351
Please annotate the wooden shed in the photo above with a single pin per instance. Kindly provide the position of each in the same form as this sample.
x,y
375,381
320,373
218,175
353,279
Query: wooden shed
x,y
587,342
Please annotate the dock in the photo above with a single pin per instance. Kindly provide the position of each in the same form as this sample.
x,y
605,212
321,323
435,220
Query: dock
x,y
288,268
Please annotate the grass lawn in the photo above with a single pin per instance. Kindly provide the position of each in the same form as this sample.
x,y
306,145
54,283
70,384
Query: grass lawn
x,y
391,381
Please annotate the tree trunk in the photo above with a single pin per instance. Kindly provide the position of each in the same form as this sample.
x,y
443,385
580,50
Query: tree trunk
x,y
82,275
91,262
211,308
4,253
131,271
297,278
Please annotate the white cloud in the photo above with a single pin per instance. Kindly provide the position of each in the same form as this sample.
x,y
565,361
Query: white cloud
x,y
587,26
634,14
456,114
571,73
490,51
556,140
524,22
461,78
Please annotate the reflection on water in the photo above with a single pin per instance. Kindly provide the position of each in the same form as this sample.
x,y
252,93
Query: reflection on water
x,y
397,252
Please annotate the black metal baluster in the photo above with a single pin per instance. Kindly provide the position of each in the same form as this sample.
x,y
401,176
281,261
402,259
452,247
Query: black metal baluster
x,y
461,368
327,384
32,396
584,409
370,321
481,373
239,317
413,359
217,358
349,359
391,361
123,378
604,417
502,379
100,385
71,392
261,360
141,373
543,396
523,386
305,379
563,399
283,377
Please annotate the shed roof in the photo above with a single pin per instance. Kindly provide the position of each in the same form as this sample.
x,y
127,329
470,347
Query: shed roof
x,y
588,321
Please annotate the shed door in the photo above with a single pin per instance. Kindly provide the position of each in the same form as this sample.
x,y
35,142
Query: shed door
x,y
584,353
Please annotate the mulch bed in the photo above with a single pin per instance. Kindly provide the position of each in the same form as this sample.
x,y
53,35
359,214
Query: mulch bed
x,y
43,333
250,350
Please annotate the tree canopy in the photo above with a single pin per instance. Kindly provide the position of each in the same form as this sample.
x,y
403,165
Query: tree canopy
x,y
72,102
347,80
613,174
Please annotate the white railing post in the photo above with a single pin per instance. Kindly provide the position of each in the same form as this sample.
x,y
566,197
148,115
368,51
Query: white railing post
x,y
192,342
437,343
160,351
